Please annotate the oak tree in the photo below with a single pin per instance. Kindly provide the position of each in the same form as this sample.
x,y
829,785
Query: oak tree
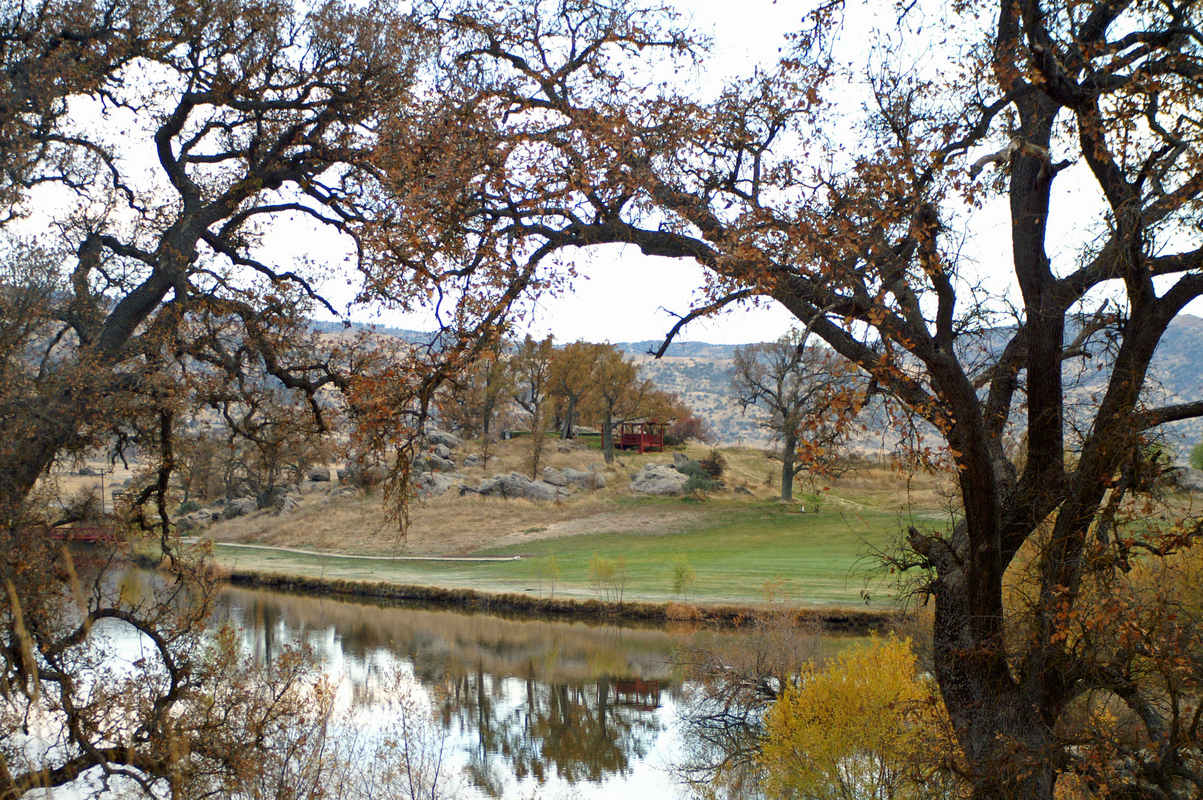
x,y
532,383
809,396
162,149
867,224
572,381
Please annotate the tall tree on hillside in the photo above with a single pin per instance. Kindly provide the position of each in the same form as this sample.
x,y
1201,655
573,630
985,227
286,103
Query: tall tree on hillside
x,y
531,365
620,395
474,397
878,249
807,393
572,380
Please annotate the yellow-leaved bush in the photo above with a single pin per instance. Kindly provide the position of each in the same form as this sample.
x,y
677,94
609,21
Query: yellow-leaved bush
x,y
865,725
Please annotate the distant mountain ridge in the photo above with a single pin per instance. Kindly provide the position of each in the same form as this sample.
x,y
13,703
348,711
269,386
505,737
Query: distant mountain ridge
x,y
701,373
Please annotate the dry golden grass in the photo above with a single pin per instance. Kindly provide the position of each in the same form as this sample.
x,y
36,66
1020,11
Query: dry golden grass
x,y
444,525
450,524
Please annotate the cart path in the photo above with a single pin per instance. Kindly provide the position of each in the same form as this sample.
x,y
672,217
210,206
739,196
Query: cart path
x,y
325,554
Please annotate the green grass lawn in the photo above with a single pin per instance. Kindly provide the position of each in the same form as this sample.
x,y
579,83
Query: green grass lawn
x,y
744,552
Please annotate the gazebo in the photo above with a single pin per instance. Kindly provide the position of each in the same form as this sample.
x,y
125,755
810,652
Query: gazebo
x,y
641,436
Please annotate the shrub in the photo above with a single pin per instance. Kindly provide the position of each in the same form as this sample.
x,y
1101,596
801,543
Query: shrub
x,y
714,464
1196,456
608,576
699,482
691,427
549,571
684,576
867,720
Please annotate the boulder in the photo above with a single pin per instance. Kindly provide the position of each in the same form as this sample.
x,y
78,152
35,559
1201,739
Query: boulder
x,y
366,476
1186,478
442,451
472,460
660,479
432,484
439,464
581,479
449,440
288,503
319,475
240,507
518,485
555,476
584,479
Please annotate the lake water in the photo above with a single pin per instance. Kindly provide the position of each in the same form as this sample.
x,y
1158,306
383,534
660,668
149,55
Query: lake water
x,y
520,708
529,708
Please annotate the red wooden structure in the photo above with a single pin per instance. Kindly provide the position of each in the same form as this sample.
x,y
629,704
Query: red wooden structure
x,y
641,436
82,533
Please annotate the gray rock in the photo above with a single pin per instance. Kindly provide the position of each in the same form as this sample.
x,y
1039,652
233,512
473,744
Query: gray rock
x,y
319,475
432,484
1186,478
660,479
517,485
472,461
555,476
584,479
366,476
442,451
437,437
579,478
239,507
288,503
438,464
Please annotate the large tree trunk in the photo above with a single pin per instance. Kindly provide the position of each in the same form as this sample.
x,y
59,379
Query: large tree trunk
x,y
608,437
566,431
1000,724
31,442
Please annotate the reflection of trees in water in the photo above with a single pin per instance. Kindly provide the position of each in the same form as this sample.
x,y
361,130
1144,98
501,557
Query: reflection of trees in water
x,y
584,732
564,725
721,715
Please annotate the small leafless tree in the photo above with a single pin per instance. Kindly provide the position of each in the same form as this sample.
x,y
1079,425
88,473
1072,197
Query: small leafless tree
x,y
803,388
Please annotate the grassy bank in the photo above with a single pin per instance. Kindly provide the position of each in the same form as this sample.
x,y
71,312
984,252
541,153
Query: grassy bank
x,y
742,552
832,620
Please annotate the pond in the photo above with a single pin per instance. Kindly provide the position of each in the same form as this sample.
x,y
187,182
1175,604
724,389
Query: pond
x,y
510,707
528,708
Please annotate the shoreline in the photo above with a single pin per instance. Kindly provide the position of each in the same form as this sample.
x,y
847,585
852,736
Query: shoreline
x,y
831,620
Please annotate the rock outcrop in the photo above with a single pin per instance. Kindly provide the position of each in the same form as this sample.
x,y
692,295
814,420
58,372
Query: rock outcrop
x,y
517,485
659,479
579,478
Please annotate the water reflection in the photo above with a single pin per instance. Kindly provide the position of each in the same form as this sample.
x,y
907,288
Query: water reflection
x,y
528,704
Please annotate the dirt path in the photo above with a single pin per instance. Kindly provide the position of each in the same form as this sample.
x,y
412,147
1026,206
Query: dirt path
x,y
642,520
327,554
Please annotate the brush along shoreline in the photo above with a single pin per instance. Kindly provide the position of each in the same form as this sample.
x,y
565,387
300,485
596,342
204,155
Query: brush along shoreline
x,y
832,620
